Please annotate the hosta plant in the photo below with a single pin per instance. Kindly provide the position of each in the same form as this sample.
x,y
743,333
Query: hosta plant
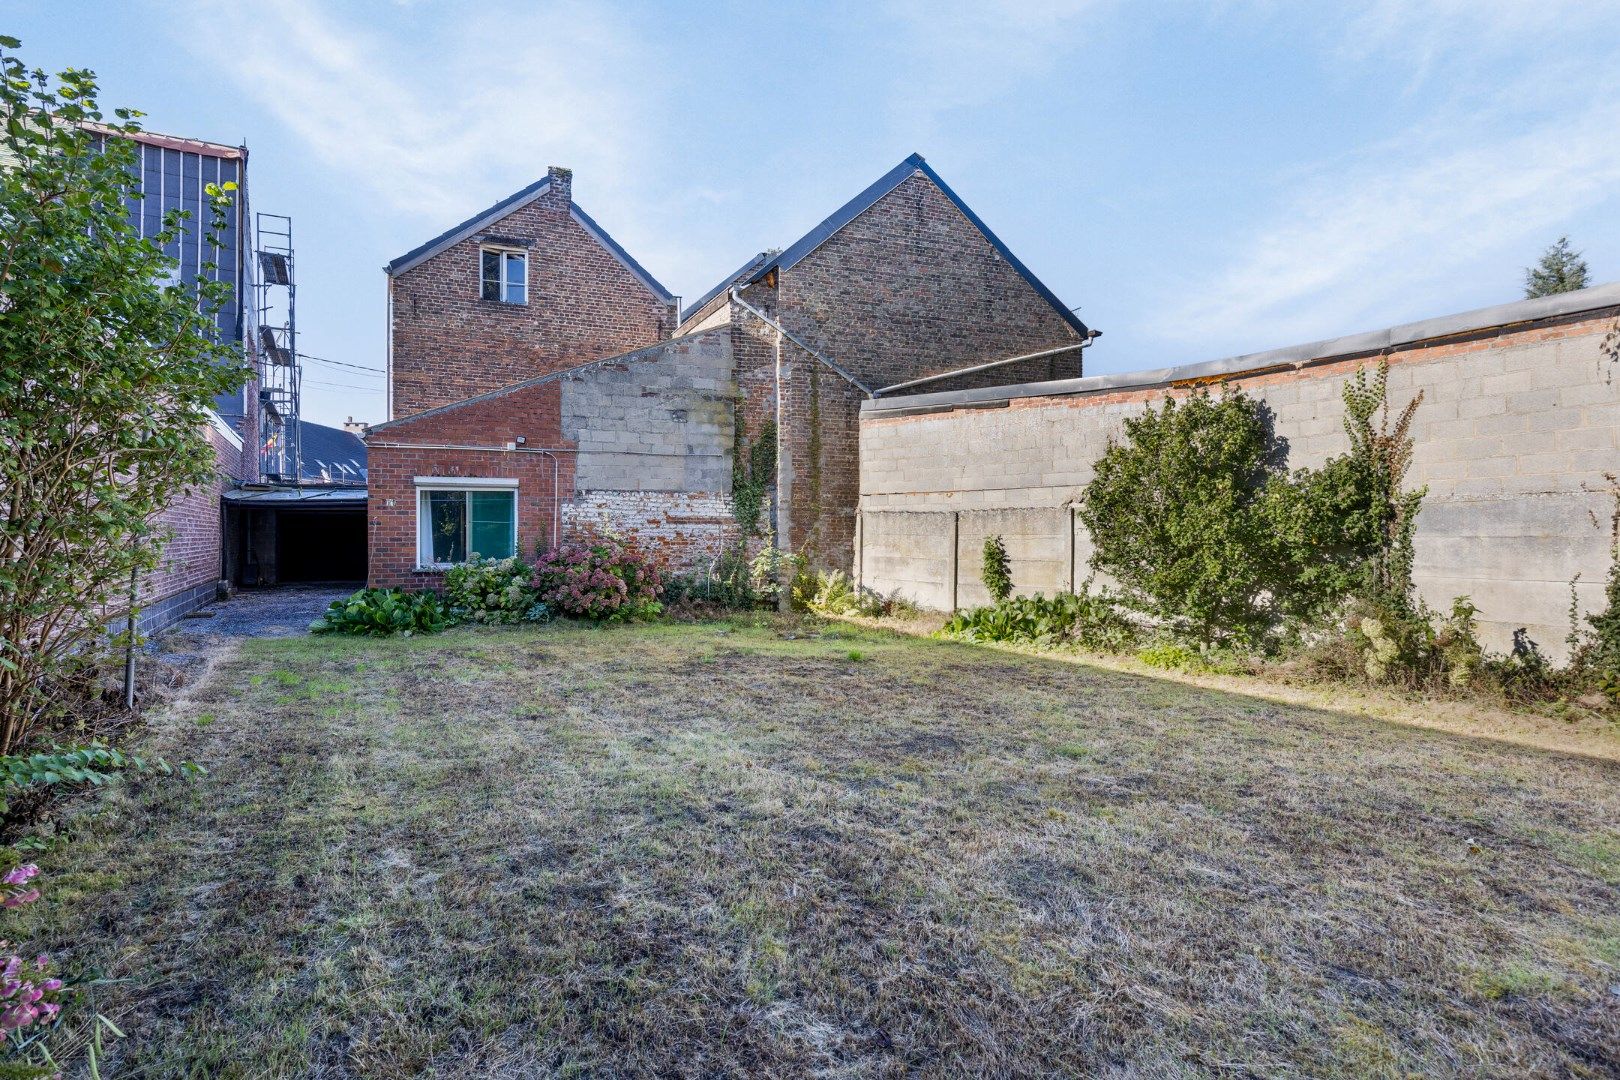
x,y
383,613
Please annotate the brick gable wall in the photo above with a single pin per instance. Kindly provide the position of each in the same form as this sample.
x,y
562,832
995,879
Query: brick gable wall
x,y
908,288
584,304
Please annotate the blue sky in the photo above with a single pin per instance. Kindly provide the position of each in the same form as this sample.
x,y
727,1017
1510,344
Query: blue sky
x,y
1200,179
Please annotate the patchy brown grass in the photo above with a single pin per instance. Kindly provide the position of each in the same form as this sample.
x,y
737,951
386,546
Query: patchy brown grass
x,y
711,849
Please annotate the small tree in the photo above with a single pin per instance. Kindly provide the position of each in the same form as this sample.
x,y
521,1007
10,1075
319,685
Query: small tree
x,y
1560,270
108,365
996,569
1176,516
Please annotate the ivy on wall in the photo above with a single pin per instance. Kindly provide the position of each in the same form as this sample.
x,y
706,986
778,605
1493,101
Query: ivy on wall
x,y
753,470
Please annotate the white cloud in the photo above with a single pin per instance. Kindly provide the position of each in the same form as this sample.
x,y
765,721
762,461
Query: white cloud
x,y
443,123
1365,237
1516,137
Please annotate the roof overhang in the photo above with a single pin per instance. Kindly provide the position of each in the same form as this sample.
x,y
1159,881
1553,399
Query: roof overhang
x,y
471,227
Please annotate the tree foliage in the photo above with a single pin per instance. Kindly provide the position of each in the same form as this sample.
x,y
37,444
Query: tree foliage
x,y
1559,270
107,367
1196,519
1178,519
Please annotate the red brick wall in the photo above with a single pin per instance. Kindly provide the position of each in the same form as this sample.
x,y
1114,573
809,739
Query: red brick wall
x,y
448,343
399,453
909,288
191,558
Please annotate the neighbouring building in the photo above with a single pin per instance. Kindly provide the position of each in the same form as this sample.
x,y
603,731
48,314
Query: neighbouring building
x,y
529,286
1517,440
173,173
536,389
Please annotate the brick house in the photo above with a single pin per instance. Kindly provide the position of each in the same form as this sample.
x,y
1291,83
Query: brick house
x,y
903,282
528,286
539,379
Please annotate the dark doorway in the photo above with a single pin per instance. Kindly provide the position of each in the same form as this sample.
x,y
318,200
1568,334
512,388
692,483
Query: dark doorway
x,y
326,545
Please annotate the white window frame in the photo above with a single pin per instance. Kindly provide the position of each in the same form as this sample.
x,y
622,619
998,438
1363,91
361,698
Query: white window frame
x,y
505,252
463,485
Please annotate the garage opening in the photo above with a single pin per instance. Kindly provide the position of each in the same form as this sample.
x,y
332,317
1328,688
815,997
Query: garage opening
x,y
305,536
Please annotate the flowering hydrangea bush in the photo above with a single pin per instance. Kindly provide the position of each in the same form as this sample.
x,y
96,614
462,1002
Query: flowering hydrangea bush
x,y
603,578
30,993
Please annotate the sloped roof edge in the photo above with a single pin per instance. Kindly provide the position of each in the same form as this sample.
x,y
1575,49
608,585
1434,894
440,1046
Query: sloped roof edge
x,y
725,283
886,183
457,233
622,255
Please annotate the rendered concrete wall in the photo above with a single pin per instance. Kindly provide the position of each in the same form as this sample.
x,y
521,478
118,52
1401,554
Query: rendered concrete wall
x,y
1517,429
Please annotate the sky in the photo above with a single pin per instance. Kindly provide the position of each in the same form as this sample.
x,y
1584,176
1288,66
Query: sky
x,y
1198,180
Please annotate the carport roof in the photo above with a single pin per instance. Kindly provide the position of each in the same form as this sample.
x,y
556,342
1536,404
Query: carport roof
x,y
297,496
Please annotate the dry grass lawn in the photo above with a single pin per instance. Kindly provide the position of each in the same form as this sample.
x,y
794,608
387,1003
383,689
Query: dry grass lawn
x,y
755,850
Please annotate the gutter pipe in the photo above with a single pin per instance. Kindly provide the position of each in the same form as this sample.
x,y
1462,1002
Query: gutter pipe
x,y
780,329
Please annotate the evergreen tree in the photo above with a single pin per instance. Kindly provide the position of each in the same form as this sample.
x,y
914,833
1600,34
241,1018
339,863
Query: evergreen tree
x,y
1559,271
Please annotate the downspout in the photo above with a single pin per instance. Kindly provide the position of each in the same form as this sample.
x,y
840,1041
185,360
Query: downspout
x,y
556,495
784,487
783,332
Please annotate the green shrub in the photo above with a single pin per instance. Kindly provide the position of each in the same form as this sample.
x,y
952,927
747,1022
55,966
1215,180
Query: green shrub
x,y
492,591
996,569
834,592
604,578
1206,533
94,763
1172,656
1176,516
727,583
383,613
770,566
1087,620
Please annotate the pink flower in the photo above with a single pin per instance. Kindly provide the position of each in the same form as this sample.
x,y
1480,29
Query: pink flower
x,y
19,875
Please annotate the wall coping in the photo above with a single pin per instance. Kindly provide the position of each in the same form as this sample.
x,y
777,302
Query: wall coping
x,y
1521,314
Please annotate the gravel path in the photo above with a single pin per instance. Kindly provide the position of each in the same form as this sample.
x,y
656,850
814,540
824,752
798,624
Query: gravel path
x,y
283,611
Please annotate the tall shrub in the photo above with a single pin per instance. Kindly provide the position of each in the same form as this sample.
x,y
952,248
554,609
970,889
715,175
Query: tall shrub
x,y
996,569
1176,516
107,368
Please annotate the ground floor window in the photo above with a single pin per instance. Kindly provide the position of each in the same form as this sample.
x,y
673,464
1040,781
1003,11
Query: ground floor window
x,y
455,523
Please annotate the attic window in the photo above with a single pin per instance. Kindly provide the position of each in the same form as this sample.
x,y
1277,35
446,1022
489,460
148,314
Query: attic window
x,y
505,275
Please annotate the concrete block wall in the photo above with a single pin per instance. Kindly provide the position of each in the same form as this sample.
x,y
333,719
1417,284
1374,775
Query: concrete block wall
x,y
1518,426
660,421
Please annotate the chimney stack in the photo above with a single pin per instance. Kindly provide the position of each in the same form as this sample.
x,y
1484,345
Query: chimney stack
x,y
355,427
562,183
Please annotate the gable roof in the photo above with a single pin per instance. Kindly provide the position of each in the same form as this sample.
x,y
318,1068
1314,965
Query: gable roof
x,y
886,183
743,271
514,202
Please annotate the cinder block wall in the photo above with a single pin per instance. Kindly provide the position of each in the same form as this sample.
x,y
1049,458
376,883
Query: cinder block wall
x,y
1517,428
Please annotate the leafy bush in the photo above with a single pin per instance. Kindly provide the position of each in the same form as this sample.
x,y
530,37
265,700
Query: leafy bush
x,y
1088,620
1597,651
726,583
996,569
834,592
93,763
382,613
770,566
1176,515
603,578
492,591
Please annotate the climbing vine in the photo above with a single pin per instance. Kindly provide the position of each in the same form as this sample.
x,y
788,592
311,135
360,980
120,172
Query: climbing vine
x,y
753,469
